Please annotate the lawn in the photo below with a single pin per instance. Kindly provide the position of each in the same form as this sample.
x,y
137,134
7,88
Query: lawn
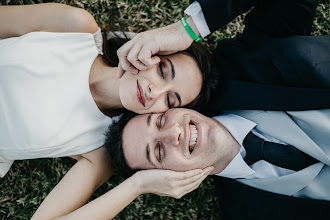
x,y
28,182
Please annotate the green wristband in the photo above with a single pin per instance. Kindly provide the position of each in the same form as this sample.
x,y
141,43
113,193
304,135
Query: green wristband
x,y
189,31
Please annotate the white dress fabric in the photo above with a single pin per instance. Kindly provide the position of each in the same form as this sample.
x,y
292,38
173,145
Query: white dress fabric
x,y
46,107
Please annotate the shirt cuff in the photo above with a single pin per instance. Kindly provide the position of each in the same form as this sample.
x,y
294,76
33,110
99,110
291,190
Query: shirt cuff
x,y
195,12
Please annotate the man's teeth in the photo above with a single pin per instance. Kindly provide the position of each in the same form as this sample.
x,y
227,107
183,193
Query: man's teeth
x,y
193,137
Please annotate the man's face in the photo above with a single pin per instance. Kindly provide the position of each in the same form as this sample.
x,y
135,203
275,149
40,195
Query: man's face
x,y
180,140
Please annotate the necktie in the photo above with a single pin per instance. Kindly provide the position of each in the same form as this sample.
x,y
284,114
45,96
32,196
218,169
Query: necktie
x,y
285,156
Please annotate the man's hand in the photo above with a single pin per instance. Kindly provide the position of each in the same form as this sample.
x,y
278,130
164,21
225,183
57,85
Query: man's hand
x,y
138,53
168,182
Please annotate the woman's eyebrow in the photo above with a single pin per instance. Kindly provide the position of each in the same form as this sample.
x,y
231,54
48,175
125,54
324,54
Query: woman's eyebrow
x,y
178,97
172,77
172,68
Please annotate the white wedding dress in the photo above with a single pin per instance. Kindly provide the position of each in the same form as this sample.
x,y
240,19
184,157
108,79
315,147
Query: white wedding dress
x,y
46,107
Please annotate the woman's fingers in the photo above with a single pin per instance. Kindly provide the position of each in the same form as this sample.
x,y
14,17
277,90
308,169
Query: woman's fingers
x,y
196,178
170,183
193,185
188,185
191,173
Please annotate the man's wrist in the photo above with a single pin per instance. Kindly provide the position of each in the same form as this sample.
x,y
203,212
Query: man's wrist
x,y
186,39
195,11
192,25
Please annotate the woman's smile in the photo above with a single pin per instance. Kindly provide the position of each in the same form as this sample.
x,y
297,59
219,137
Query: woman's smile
x,y
153,90
139,93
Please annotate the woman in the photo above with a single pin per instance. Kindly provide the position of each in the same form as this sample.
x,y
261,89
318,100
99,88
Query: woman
x,y
57,96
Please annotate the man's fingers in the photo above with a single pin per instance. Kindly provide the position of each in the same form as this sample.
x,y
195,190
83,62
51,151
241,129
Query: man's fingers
x,y
122,54
133,57
120,72
146,55
126,66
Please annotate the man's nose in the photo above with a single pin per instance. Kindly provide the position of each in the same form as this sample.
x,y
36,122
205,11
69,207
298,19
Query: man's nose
x,y
171,135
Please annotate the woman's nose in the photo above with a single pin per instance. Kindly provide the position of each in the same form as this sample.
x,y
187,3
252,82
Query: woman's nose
x,y
155,91
171,135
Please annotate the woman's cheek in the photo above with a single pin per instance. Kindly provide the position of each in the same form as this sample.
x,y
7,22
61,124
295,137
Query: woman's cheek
x,y
158,107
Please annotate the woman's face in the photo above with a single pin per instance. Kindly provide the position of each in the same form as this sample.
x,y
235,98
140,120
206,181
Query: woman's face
x,y
175,81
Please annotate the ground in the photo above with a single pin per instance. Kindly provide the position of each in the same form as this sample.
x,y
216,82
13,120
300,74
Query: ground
x,y
28,182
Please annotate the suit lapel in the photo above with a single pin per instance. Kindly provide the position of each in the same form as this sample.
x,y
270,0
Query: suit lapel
x,y
280,126
288,184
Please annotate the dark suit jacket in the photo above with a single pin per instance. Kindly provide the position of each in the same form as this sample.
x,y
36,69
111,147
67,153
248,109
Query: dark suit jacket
x,y
273,64
242,202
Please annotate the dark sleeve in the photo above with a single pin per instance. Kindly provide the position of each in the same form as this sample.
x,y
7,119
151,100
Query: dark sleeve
x,y
240,201
281,18
273,17
218,13
255,96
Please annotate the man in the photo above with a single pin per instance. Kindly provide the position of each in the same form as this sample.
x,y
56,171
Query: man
x,y
266,187
273,59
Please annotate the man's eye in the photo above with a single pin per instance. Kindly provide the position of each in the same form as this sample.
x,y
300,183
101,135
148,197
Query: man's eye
x,y
159,121
159,153
160,68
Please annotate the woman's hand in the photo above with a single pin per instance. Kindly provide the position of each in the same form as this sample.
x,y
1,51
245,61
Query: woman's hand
x,y
168,182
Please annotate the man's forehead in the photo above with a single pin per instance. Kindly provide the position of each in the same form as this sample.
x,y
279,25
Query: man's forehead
x,y
136,136
135,126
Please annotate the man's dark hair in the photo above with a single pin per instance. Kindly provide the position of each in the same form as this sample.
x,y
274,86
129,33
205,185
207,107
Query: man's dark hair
x,y
114,144
197,51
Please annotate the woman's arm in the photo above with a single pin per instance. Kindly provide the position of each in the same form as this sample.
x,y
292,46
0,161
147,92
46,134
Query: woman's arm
x,y
160,182
19,20
77,186
92,170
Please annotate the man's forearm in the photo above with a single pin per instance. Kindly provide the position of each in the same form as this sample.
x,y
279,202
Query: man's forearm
x,y
219,13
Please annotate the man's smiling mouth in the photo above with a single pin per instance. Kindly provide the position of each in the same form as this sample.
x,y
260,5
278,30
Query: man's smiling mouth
x,y
193,136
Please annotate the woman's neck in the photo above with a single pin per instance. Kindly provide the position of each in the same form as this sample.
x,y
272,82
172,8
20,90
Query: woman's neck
x,y
104,86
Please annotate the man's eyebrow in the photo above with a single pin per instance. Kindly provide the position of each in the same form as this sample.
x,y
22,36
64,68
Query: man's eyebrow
x,y
148,120
172,68
148,155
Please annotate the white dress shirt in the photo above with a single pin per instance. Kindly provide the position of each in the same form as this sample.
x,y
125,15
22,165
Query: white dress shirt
x,y
239,127
195,12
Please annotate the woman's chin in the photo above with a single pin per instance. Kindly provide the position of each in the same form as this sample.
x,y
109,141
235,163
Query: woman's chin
x,y
133,108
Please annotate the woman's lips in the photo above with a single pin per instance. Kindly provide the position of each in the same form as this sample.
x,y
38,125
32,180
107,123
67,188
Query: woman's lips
x,y
139,93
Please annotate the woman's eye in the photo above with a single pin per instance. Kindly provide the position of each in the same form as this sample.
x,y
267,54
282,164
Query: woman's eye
x,y
170,100
160,68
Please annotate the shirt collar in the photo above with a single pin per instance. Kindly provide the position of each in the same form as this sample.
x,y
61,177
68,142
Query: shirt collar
x,y
238,127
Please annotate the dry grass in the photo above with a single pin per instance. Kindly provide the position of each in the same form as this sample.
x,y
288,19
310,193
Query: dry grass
x,y
28,182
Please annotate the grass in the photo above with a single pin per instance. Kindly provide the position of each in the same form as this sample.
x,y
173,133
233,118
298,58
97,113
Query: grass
x,y
28,182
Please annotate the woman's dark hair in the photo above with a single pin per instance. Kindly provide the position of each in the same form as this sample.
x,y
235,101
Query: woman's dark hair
x,y
197,51
114,144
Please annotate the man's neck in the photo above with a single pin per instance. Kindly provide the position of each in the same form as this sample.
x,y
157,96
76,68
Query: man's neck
x,y
230,148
